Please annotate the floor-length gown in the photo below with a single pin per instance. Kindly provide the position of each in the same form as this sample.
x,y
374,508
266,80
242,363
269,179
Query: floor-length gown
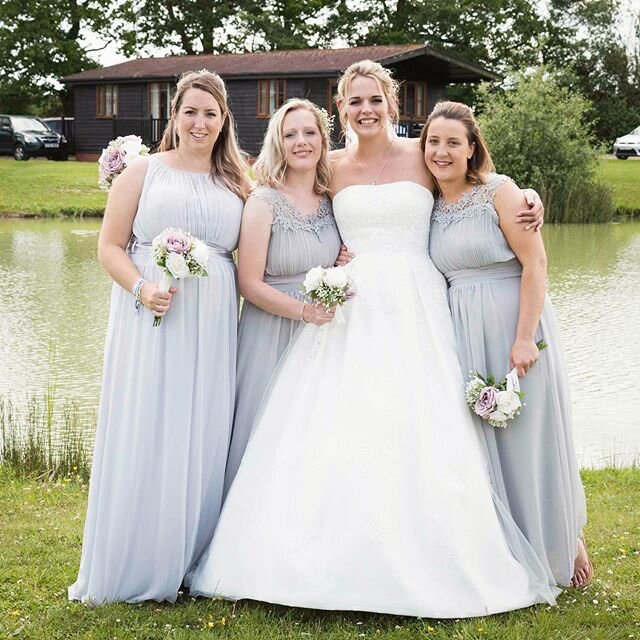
x,y
166,406
363,486
298,242
532,461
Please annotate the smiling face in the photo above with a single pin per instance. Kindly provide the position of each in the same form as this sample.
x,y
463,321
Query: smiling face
x,y
447,150
301,139
366,106
198,121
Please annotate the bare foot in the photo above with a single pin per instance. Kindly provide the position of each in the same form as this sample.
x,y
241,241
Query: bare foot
x,y
582,568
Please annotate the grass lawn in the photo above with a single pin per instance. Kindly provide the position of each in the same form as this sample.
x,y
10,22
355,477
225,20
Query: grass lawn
x,y
44,187
40,537
623,176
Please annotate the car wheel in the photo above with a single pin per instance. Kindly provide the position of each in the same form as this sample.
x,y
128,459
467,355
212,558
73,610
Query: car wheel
x,y
19,153
622,157
62,157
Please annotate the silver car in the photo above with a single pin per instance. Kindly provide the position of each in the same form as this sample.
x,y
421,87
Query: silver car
x,y
628,145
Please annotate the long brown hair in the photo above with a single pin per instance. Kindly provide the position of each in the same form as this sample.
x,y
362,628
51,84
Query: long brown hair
x,y
480,164
227,160
271,165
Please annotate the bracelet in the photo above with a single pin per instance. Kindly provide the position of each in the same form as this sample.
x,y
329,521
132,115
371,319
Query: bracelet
x,y
136,291
304,304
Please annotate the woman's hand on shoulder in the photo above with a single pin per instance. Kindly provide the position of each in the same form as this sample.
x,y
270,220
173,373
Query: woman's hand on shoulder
x,y
533,215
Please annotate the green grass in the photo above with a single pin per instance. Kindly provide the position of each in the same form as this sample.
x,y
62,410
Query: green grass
x,y
40,538
623,176
47,188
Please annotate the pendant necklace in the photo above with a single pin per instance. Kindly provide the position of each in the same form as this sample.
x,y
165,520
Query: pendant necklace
x,y
382,166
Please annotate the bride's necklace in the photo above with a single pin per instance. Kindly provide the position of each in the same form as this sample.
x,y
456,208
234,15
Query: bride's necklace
x,y
382,166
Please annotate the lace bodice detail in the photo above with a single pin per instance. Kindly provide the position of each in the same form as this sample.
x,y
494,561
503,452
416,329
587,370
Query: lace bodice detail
x,y
391,217
288,217
472,203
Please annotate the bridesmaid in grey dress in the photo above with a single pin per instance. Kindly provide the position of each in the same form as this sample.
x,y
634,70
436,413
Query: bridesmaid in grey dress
x,y
287,229
168,391
497,274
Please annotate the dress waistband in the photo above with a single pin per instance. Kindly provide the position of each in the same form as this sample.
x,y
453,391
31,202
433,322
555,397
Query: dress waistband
x,y
502,271
282,281
136,246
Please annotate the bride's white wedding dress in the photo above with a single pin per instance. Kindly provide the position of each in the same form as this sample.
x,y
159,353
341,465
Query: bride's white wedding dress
x,y
364,485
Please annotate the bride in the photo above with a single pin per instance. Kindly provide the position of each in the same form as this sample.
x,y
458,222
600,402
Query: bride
x,y
364,486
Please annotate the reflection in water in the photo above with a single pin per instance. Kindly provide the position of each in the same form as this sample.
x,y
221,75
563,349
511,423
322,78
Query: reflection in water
x,y
56,292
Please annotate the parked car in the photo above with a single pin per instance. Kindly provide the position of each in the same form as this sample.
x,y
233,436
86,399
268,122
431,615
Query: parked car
x,y
65,127
628,145
26,137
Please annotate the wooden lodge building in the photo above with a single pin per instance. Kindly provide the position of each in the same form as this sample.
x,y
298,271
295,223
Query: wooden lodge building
x,y
133,97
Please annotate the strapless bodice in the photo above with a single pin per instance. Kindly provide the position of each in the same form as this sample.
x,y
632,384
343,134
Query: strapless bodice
x,y
391,217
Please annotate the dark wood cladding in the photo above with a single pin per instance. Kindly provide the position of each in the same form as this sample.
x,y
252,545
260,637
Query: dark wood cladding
x,y
93,133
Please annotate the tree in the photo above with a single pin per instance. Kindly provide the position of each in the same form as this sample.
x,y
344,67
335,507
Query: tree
x,y
40,43
538,132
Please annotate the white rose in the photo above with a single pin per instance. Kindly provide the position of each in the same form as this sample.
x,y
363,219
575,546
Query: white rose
x,y
336,277
497,418
178,266
131,147
508,402
313,279
200,253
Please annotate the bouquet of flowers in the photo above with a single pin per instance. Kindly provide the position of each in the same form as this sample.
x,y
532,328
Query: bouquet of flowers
x,y
117,155
496,402
330,287
179,255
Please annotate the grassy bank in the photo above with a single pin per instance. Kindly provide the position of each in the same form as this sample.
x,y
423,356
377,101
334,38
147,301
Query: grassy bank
x,y
41,532
45,188
623,176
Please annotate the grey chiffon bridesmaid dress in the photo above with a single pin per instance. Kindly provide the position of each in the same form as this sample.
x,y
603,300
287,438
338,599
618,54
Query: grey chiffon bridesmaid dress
x,y
532,461
298,243
166,407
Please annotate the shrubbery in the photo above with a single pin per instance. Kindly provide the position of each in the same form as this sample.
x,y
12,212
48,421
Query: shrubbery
x,y
539,135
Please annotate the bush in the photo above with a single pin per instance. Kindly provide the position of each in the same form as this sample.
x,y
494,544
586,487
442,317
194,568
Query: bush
x,y
539,135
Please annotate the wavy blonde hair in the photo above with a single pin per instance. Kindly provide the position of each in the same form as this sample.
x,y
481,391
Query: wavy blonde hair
x,y
271,166
480,164
374,70
227,160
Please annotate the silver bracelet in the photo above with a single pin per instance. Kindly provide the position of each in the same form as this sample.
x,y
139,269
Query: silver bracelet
x,y
304,304
136,291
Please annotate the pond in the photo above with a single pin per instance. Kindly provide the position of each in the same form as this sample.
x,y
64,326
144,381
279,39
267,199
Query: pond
x,y
55,306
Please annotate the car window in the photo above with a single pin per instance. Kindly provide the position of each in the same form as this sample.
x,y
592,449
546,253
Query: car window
x,y
4,121
20,123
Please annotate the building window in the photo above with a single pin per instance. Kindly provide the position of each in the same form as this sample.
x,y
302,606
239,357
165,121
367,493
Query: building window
x,y
271,95
413,100
160,100
107,101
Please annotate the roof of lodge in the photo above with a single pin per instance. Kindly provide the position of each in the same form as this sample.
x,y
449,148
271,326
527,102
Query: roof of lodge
x,y
298,62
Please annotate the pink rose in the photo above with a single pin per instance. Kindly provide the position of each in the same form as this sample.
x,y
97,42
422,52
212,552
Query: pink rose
x,y
113,162
486,402
177,243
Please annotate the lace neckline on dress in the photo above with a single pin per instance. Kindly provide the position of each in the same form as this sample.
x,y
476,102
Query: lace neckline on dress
x,y
289,217
470,204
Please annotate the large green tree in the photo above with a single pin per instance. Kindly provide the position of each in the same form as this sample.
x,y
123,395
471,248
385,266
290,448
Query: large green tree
x,y
39,43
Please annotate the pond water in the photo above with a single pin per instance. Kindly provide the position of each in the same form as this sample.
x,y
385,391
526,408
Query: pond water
x,y
55,305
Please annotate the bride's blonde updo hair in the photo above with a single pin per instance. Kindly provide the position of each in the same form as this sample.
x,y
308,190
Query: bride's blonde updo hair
x,y
271,166
369,69
227,160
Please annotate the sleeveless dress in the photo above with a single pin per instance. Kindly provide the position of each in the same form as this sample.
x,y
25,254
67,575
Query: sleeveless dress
x,y
166,406
298,243
363,486
532,461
